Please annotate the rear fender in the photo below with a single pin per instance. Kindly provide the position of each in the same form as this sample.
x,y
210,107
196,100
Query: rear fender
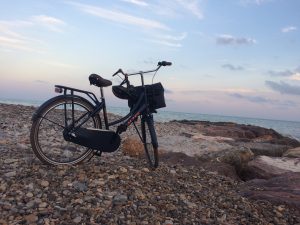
x,y
38,112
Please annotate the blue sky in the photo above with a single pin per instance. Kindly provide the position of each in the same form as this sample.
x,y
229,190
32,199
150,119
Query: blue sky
x,y
231,57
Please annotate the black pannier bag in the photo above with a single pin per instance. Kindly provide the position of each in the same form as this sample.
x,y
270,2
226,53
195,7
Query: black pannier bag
x,y
155,94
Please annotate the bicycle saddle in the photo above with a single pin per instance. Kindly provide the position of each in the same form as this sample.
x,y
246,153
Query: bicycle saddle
x,y
98,81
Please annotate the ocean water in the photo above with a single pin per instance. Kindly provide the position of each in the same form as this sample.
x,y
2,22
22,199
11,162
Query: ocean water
x,y
287,128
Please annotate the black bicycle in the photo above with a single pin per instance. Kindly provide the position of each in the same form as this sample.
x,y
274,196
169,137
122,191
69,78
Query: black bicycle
x,y
69,128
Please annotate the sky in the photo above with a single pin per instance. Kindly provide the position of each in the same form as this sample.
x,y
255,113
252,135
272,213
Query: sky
x,y
230,57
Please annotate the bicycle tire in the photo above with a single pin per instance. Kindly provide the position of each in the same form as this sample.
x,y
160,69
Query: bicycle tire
x,y
150,141
50,142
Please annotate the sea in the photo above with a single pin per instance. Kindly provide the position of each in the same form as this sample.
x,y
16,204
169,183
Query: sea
x,y
286,128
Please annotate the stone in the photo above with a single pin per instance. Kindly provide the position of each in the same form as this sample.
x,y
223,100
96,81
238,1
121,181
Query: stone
x,y
283,189
32,218
265,167
77,219
292,153
119,199
9,161
80,186
10,174
44,183
123,170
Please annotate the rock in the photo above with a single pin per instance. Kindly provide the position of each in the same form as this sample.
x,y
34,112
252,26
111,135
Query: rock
x,y
32,218
119,199
265,167
267,149
292,153
133,147
44,183
9,161
77,219
10,174
221,169
80,186
123,170
282,189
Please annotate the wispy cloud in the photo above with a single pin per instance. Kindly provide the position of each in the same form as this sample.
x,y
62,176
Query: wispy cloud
x,y
192,6
119,17
284,73
283,87
136,2
256,2
226,39
53,24
288,29
169,40
232,67
262,100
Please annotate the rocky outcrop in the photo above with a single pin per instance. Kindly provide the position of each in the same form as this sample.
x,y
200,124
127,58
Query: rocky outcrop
x,y
293,153
265,167
284,189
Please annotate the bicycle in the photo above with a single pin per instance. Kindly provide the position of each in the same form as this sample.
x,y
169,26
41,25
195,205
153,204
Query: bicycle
x,y
68,128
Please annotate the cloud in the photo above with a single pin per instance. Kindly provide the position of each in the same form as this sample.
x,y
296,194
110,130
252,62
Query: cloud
x,y
136,2
256,2
263,100
284,73
119,17
288,29
13,40
256,99
49,22
283,87
192,6
169,40
232,67
226,39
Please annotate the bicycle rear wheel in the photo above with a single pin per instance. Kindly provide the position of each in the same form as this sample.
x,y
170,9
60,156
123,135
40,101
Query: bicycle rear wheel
x,y
150,141
46,134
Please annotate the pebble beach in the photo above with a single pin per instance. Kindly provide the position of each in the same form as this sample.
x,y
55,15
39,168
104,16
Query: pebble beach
x,y
118,189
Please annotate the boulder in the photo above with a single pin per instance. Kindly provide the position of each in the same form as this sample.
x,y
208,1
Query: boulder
x,y
237,157
174,158
265,167
284,189
267,149
292,153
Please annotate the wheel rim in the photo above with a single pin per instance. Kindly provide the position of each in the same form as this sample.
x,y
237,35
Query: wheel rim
x,y
49,137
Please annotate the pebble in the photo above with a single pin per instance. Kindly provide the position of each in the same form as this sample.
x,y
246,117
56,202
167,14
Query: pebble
x,y
77,219
10,174
44,183
115,189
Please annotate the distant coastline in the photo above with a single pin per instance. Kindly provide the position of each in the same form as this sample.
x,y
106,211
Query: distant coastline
x,y
287,128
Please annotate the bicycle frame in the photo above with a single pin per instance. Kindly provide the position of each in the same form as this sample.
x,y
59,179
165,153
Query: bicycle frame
x,y
137,110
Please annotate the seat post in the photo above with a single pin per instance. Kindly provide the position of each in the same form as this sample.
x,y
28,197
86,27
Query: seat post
x,y
101,92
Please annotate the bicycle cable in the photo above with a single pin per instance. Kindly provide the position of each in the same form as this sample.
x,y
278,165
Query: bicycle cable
x,y
154,76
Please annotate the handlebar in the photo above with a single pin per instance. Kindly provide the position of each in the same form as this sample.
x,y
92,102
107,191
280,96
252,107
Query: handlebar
x,y
159,64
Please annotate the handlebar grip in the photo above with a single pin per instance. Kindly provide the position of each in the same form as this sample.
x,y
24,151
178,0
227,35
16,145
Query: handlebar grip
x,y
164,63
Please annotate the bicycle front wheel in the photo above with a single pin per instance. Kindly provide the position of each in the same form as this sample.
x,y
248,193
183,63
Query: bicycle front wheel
x,y
46,134
150,141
